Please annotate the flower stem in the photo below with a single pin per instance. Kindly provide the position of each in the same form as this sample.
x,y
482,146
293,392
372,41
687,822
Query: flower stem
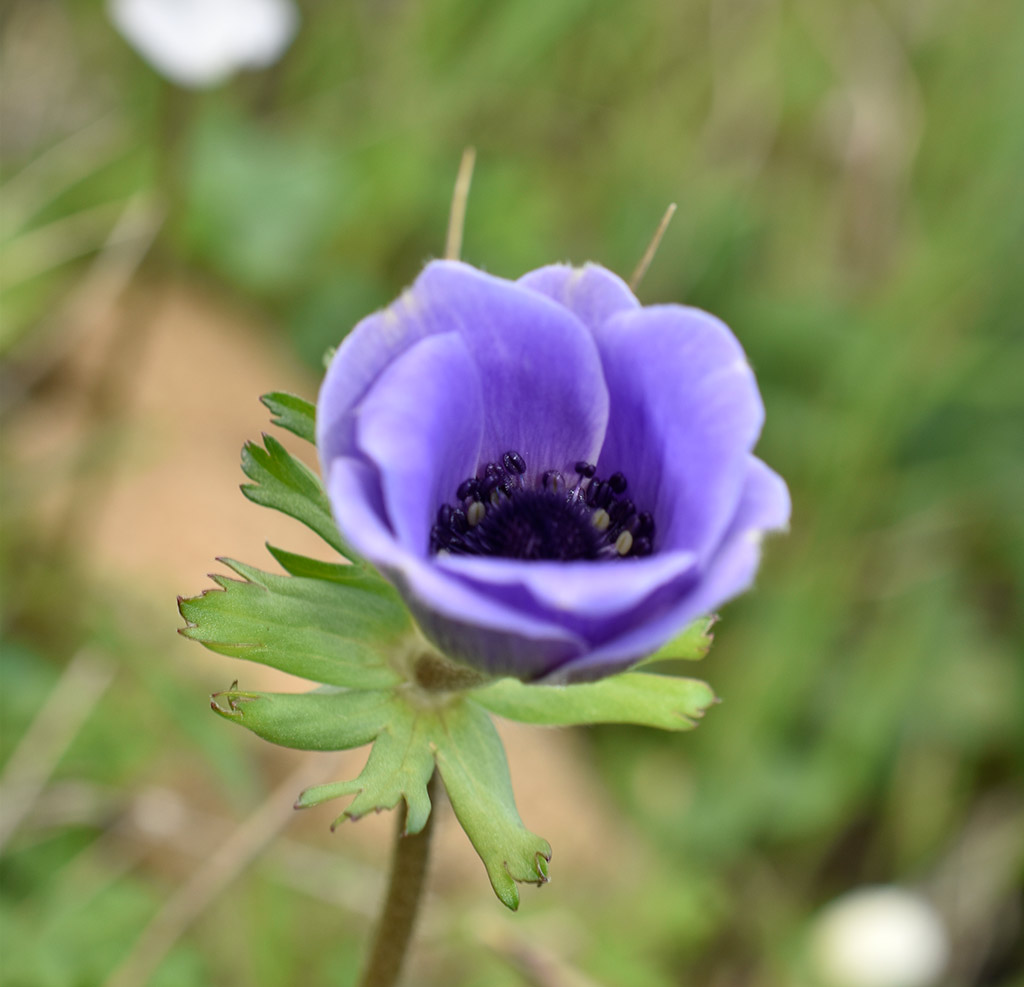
x,y
405,887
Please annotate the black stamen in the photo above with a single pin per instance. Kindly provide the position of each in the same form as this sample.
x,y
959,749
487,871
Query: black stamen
x,y
645,527
603,497
514,463
469,489
621,509
500,513
553,480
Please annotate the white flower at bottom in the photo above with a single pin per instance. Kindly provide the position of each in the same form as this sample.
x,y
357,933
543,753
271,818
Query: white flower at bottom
x,y
199,43
879,937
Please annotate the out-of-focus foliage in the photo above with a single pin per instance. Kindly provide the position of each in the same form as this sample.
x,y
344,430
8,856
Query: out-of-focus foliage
x,y
850,201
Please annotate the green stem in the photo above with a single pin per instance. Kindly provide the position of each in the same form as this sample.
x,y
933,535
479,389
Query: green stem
x,y
408,874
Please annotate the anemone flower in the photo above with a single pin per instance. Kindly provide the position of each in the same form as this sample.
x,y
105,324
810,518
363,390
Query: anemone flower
x,y
556,479
200,43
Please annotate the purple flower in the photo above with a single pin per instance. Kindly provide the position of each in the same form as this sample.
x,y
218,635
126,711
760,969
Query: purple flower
x,y
556,479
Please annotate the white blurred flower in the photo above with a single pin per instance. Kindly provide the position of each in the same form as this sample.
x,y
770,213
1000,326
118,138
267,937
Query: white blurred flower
x,y
200,43
879,937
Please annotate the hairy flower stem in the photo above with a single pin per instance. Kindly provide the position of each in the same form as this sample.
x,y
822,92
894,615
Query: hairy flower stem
x,y
405,887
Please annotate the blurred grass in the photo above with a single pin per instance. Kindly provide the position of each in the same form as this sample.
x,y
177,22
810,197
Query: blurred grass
x,y
848,177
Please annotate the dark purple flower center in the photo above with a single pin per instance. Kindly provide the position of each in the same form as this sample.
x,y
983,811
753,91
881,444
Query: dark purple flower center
x,y
500,513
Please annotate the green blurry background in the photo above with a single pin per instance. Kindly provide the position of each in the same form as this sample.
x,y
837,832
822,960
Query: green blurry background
x,y
848,177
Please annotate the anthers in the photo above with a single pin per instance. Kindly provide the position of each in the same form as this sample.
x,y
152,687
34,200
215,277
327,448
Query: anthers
x,y
500,512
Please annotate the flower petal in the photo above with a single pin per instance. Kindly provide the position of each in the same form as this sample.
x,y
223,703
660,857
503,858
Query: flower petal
x,y
543,389
764,506
592,293
573,592
199,43
364,354
474,628
685,412
544,393
422,433
520,647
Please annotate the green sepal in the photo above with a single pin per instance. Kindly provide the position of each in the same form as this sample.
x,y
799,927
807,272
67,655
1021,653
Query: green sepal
x,y
325,631
691,645
284,484
399,767
327,719
471,759
332,572
293,413
318,794
409,740
641,698
401,760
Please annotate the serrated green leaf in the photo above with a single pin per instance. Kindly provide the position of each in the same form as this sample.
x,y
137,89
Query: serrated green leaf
x,y
293,413
472,763
319,794
323,631
459,738
400,766
283,483
632,697
345,573
691,645
323,720
397,768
